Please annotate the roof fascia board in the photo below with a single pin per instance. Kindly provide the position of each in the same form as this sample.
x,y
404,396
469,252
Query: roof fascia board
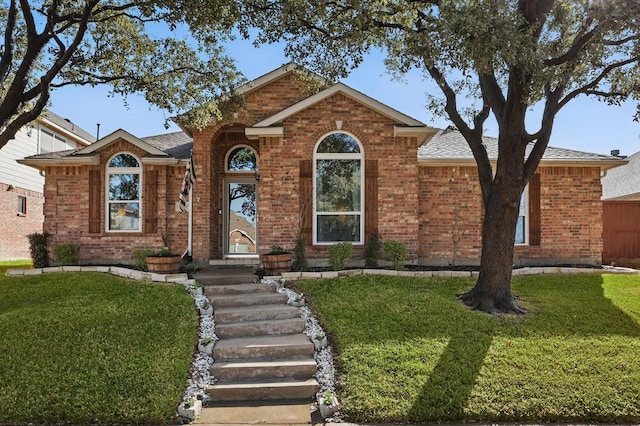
x,y
163,161
254,133
605,164
122,134
423,133
63,161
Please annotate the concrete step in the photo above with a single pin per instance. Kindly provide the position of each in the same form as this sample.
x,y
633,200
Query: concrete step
x,y
255,313
220,275
252,370
261,391
260,328
244,288
247,299
263,347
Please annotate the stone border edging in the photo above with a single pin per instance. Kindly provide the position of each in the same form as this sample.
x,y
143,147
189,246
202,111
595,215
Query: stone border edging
x,y
294,276
114,270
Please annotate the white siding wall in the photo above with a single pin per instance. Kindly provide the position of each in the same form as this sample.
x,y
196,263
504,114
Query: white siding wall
x,y
18,175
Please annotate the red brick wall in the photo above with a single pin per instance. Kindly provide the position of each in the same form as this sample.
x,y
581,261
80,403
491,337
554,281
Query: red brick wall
x,y
14,243
280,162
570,211
66,211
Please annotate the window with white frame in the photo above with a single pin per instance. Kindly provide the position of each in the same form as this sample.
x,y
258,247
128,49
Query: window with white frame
x,y
338,190
123,193
522,226
22,205
50,142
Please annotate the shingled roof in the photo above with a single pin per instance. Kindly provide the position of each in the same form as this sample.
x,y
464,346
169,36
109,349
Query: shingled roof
x,y
449,146
623,182
178,144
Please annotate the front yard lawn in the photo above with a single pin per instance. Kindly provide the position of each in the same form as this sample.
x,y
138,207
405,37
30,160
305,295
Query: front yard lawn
x,y
80,348
408,351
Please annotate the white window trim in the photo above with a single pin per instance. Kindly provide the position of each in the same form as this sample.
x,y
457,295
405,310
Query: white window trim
x,y
122,170
525,195
54,136
235,147
338,156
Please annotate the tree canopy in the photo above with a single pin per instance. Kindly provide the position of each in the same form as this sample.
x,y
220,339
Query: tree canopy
x,y
132,46
489,58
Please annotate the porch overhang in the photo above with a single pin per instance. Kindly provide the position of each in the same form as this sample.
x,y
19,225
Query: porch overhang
x,y
42,163
253,133
423,133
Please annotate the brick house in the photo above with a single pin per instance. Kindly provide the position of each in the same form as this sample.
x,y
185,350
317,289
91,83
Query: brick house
x,y
328,165
21,187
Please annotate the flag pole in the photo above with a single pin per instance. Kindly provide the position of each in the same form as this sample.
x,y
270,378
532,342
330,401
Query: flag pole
x,y
190,230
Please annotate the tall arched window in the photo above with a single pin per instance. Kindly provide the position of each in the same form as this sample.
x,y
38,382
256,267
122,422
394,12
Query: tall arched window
x,y
123,193
338,190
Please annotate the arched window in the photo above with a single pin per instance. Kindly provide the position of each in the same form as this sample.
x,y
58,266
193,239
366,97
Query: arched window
x,y
338,190
123,193
242,159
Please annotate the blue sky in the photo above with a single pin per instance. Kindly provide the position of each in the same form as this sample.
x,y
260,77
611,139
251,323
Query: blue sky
x,y
584,124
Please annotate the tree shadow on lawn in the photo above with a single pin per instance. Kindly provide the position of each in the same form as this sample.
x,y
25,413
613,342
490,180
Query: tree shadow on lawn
x,y
558,307
588,313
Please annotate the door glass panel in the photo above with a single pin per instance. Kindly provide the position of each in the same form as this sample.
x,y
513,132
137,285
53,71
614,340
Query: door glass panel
x,y
241,218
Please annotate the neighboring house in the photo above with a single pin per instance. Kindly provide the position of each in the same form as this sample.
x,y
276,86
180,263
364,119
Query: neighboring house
x,y
621,213
327,166
21,187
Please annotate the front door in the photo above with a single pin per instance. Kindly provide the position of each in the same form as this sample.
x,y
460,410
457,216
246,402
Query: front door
x,y
240,218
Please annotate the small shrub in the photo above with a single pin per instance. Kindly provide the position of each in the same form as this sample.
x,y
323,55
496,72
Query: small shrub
x,y
371,251
140,258
396,253
191,267
338,255
300,257
39,249
66,254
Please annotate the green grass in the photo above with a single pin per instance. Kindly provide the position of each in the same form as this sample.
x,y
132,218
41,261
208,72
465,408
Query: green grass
x,y
10,264
83,348
408,351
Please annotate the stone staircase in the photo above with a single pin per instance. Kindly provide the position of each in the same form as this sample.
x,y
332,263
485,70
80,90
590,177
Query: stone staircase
x,y
262,353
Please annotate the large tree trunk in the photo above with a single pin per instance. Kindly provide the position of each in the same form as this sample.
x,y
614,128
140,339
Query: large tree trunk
x,y
501,198
492,292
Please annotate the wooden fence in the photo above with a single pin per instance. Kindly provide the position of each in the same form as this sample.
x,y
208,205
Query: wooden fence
x,y
621,230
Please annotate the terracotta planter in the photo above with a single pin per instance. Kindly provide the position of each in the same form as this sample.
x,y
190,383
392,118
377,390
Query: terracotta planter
x,y
164,264
276,264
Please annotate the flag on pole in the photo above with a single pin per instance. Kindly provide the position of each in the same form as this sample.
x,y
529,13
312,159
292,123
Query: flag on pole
x,y
187,183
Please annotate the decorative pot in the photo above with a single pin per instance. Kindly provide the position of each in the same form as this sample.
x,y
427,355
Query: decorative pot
x,y
327,406
207,349
276,264
164,264
319,343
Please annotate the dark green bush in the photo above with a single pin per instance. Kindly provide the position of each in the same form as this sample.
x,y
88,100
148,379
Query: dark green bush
x,y
39,249
396,253
66,254
300,257
140,258
371,251
338,255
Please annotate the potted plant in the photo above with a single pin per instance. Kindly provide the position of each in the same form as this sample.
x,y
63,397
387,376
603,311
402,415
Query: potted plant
x,y
164,262
319,341
277,261
205,308
298,300
206,345
327,403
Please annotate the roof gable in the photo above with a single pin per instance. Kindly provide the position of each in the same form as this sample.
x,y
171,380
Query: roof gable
x,y
121,134
347,91
278,73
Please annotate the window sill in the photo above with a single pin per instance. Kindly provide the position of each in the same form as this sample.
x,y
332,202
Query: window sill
x,y
21,214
